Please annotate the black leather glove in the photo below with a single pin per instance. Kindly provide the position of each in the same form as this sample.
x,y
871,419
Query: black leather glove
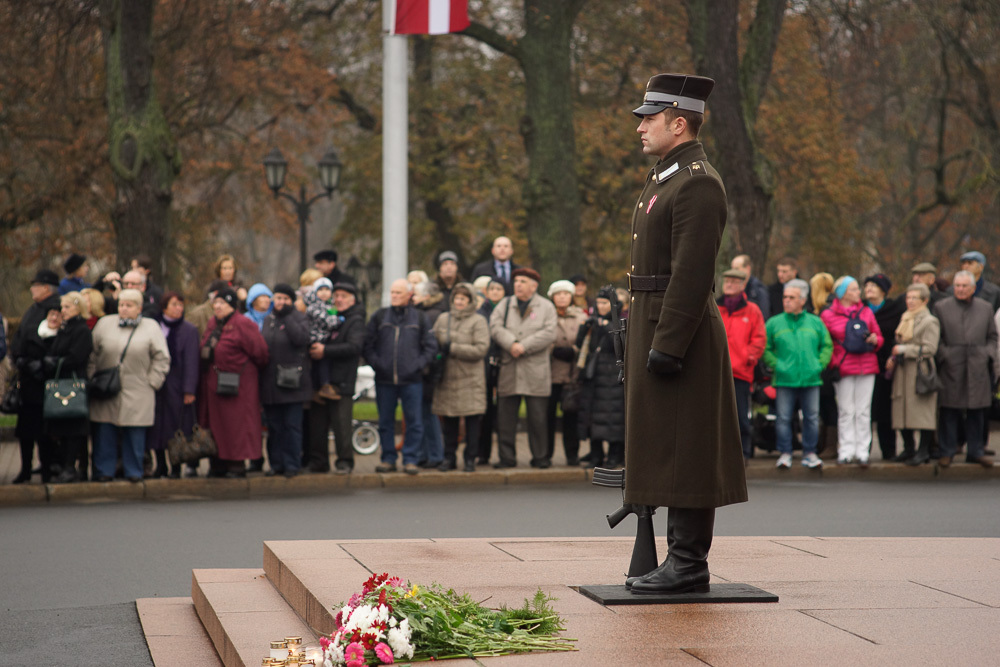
x,y
564,353
49,363
445,348
664,364
34,369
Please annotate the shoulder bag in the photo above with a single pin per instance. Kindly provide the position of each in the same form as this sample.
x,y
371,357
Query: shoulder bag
x,y
11,403
927,381
227,383
493,355
65,398
107,382
289,376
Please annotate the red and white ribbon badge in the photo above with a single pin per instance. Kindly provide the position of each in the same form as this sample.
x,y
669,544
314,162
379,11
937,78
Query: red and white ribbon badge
x,y
651,202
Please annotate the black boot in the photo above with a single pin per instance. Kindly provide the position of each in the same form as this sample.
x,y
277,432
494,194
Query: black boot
x,y
686,567
670,547
161,465
923,454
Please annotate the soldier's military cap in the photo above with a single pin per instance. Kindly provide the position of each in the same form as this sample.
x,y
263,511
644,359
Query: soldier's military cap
x,y
924,267
675,91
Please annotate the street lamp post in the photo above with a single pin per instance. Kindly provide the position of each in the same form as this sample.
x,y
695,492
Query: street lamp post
x,y
275,170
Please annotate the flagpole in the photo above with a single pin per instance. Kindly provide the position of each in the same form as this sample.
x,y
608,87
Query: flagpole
x,y
395,167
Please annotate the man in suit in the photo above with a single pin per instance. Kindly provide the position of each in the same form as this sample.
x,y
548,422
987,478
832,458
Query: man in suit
x,y
500,268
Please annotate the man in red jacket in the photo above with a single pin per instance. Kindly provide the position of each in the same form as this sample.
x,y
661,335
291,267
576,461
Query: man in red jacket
x,y
745,331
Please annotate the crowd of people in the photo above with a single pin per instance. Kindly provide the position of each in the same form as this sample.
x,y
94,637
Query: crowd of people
x,y
831,356
846,354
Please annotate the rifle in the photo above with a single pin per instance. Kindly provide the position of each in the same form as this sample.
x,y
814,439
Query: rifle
x,y
617,331
644,551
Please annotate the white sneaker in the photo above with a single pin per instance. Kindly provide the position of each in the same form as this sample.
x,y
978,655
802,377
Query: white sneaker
x,y
812,461
784,461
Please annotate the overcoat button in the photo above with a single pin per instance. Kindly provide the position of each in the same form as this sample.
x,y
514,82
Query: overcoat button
x,y
635,236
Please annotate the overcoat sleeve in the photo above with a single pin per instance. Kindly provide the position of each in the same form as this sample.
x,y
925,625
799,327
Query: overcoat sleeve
x,y
254,344
297,329
159,356
190,358
476,350
545,334
700,205
502,335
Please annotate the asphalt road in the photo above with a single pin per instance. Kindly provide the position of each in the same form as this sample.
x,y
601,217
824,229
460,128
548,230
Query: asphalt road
x,y
71,573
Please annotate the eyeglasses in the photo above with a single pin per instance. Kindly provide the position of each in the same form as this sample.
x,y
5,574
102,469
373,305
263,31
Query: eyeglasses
x,y
132,284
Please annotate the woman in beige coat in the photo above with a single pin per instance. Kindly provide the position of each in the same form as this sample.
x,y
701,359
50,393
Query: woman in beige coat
x,y
463,336
917,336
143,368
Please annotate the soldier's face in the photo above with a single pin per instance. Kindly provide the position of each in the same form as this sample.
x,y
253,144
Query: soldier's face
x,y
658,134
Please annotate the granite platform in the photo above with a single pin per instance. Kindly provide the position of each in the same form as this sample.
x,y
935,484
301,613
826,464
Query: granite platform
x,y
856,601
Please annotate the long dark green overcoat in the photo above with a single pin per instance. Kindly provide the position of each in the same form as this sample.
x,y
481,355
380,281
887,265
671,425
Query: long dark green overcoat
x,y
682,433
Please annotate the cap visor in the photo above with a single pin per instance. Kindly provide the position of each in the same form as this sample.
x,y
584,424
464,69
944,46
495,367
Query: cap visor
x,y
648,110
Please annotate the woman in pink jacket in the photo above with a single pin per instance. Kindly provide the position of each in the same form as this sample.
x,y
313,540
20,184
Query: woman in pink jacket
x,y
856,336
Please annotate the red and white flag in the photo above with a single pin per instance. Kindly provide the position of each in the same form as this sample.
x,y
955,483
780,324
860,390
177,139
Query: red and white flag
x,y
429,17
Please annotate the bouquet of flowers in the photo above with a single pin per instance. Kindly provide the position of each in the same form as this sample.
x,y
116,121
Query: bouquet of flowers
x,y
391,620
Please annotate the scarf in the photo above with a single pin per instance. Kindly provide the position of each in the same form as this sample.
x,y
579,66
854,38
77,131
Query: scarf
x,y
45,331
904,332
129,322
732,303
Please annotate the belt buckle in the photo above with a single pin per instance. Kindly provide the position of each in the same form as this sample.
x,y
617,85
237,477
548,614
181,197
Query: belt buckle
x,y
629,275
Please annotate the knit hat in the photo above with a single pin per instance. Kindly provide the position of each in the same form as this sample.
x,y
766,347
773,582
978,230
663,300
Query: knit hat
x,y
841,289
286,289
445,256
881,280
46,277
561,286
228,294
73,262
350,288
321,283
578,278
325,256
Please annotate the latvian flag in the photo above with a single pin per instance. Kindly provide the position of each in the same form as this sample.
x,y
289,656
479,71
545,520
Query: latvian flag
x,y
430,17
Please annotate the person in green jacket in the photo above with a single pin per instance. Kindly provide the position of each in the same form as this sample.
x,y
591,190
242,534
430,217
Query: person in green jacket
x,y
798,349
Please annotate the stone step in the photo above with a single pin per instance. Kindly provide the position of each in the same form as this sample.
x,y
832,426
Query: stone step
x,y
174,634
242,613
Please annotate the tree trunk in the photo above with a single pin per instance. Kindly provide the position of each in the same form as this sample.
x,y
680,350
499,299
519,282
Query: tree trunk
x,y
739,87
551,188
143,154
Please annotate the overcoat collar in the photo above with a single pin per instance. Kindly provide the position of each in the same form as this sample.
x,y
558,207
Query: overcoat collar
x,y
677,159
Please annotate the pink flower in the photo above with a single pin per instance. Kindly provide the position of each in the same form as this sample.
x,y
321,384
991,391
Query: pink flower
x,y
355,600
354,654
324,642
339,618
383,653
396,582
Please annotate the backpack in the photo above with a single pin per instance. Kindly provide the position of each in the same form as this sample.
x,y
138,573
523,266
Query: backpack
x,y
855,334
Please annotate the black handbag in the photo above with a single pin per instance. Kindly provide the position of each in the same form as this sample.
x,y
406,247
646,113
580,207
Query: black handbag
x,y
107,382
11,403
227,383
927,381
289,377
570,398
65,398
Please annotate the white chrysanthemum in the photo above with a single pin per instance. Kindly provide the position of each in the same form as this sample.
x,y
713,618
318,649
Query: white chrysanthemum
x,y
334,653
383,613
399,642
393,622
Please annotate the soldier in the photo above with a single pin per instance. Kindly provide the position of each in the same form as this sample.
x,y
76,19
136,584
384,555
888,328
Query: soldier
x,y
682,448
